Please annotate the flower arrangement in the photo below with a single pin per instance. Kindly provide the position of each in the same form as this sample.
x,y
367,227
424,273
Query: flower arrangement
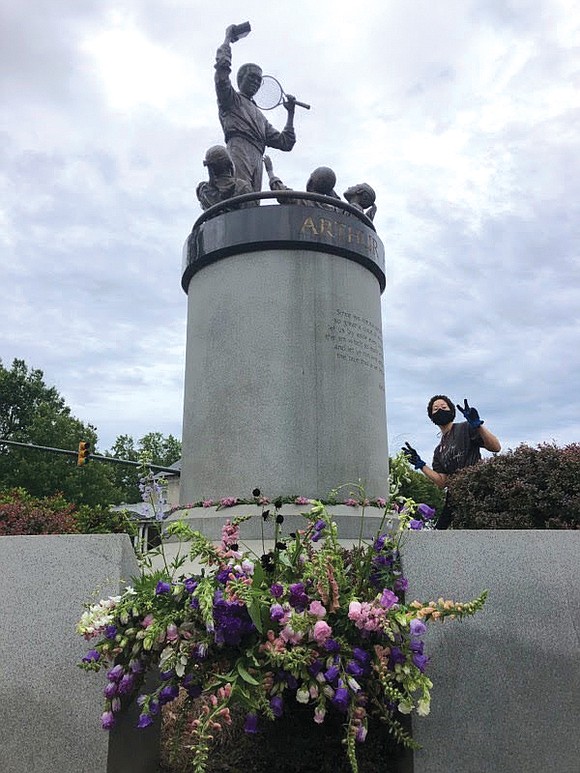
x,y
308,621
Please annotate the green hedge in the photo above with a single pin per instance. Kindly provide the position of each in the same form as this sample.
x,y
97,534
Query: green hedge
x,y
525,488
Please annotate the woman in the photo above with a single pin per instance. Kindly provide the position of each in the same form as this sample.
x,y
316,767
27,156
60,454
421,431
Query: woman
x,y
459,447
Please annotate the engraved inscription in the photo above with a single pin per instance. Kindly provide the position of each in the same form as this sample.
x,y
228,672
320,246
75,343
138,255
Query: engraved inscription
x,y
356,340
340,233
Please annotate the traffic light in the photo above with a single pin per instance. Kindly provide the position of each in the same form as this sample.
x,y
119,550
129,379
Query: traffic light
x,y
84,453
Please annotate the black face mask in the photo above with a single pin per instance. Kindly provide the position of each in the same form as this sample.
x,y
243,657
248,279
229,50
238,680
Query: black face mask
x,y
442,417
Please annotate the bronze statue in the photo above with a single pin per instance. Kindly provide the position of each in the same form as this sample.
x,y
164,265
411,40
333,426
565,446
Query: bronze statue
x,y
362,196
322,180
222,183
247,132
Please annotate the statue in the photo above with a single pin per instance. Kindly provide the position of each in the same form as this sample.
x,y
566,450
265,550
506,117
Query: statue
x,y
362,196
247,132
222,183
322,180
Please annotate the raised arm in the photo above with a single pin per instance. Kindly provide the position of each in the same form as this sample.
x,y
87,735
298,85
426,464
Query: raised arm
x,y
223,68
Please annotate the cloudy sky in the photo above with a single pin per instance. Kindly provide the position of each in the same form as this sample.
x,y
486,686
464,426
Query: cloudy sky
x,y
464,115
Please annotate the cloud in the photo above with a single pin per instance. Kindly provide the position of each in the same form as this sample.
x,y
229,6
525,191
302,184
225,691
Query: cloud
x,y
463,118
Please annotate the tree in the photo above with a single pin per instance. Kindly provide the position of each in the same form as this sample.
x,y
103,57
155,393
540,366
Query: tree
x,y
32,412
160,449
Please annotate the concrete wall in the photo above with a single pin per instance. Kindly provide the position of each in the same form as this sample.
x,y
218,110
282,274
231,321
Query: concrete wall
x,y
284,384
506,693
49,708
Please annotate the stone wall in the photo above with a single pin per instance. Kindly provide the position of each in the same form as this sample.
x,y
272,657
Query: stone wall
x,y
49,708
506,693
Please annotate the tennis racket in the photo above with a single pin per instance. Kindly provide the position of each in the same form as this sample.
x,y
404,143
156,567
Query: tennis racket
x,y
270,95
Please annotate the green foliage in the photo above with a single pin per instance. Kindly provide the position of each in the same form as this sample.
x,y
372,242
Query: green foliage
x,y
159,449
416,486
103,520
526,488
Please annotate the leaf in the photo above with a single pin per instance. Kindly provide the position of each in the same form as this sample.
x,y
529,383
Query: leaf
x,y
247,677
255,612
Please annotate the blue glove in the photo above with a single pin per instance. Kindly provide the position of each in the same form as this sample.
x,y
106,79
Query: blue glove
x,y
413,457
471,415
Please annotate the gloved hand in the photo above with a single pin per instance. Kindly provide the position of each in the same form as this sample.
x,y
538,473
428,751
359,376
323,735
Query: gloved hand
x,y
413,457
471,415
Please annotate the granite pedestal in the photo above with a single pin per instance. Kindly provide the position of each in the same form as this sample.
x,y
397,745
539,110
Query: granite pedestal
x,y
284,384
49,708
506,693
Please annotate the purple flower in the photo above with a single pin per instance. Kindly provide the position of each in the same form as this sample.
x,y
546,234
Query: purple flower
x,y
317,536
415,524
166,675
162,587
354,669
341,699
417,627
126,684
110,690
190,584
144,721
276,590
115,674
277,612
380,542
277,705
331,675
388,598
426,512
416,645
420,661
107,720
168,693
110,631
320,525
397,656
251,723
331,645
91,657
315,667
361,655
401,583
136,666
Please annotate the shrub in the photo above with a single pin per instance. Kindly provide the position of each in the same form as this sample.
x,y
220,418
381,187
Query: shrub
x,y
21,513
102,520
526,488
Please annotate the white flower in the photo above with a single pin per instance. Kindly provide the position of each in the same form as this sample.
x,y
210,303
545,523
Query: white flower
x,y
405,707
302,695
423,707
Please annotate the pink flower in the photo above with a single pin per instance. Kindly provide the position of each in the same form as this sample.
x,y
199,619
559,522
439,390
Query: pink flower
x,y
228,501
317,609
381,502
147,620
290,636
354,610
321,632
171,633
351,502
301,501
319,714
207,503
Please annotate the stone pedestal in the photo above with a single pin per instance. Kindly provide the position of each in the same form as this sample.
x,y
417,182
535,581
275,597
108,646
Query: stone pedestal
x,y
49,708
505,695
284,384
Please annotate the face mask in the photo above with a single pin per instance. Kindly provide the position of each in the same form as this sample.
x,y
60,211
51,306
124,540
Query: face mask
x,y
442,417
